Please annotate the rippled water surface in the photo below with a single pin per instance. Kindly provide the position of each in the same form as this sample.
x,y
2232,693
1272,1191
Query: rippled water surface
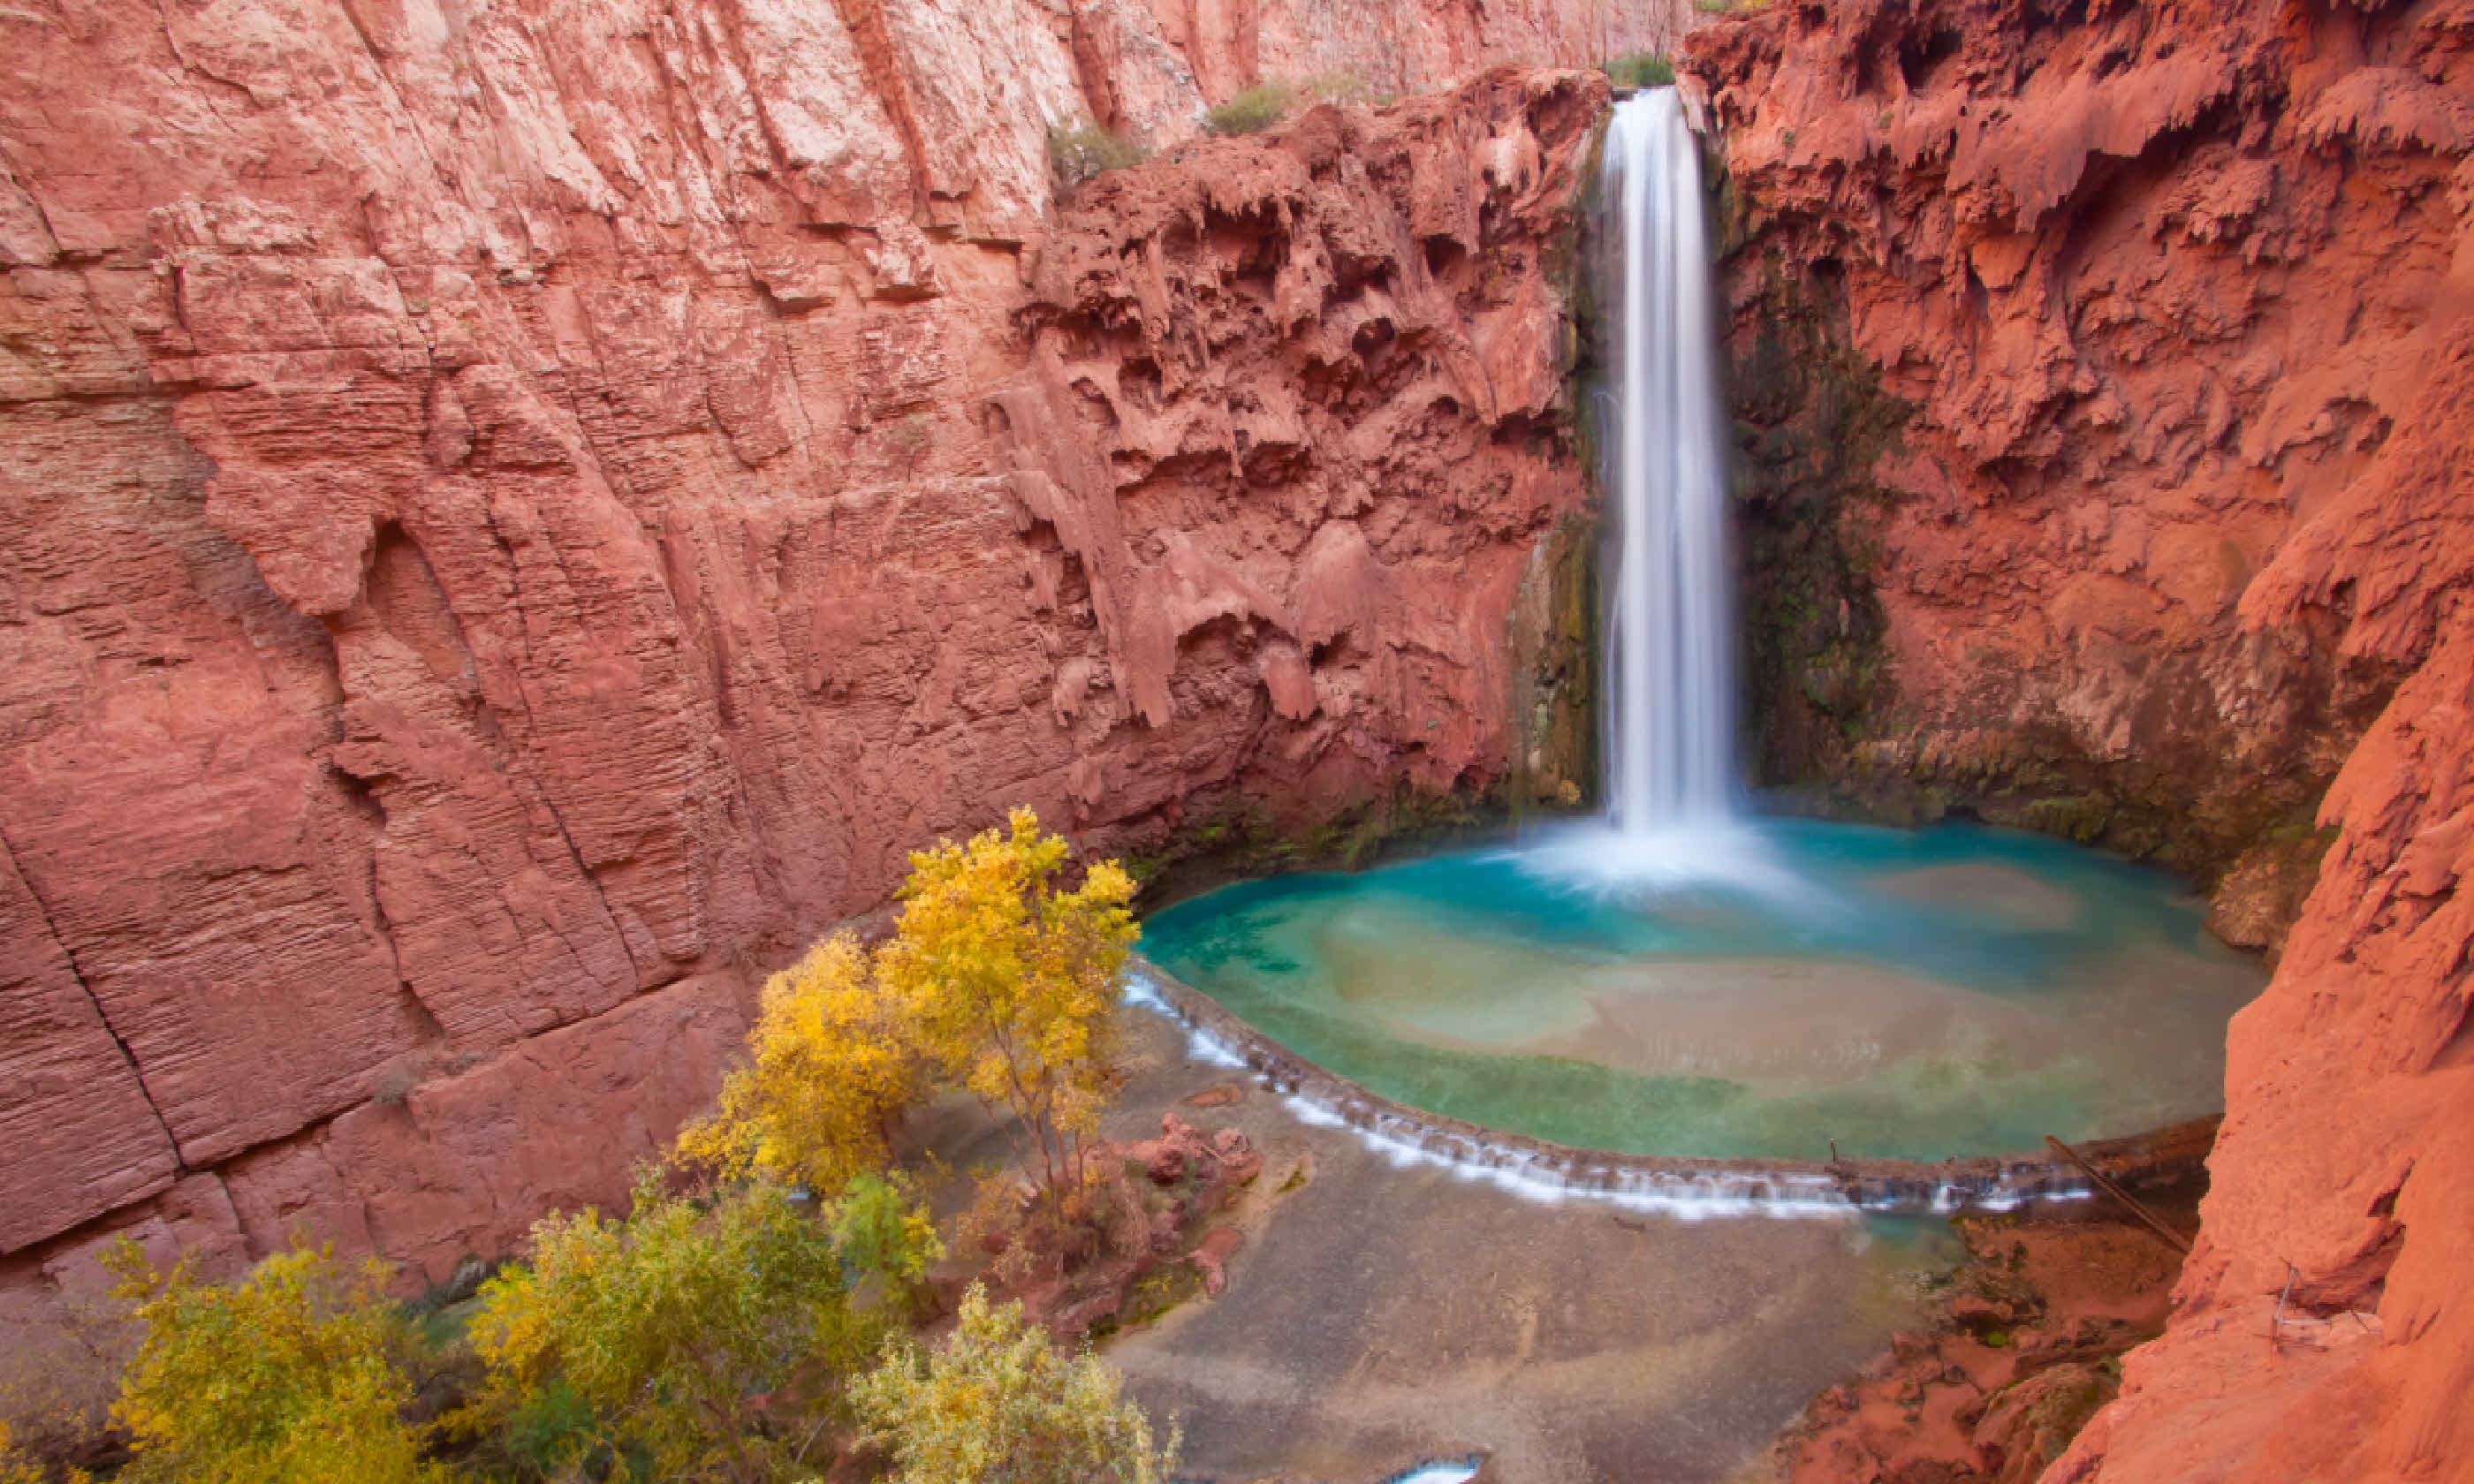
x,y
1751,989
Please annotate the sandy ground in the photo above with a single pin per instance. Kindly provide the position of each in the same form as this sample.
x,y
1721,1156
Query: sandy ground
x,y
1377,1317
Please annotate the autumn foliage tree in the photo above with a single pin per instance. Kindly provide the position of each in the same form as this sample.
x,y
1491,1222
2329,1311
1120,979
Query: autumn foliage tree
x,y
1007,980
833,1066
639,1342
284,1378
997,1404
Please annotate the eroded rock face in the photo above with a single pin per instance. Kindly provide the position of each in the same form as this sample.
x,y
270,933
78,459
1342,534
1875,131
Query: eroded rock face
x,y
2137,295
519,518
2180,303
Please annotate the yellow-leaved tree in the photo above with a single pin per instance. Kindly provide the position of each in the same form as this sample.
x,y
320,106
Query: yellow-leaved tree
x,y
1007,981
833,1066
283,1378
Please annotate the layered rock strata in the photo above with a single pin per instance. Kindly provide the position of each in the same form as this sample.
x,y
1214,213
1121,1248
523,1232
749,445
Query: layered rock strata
x,y
2170,525
521,516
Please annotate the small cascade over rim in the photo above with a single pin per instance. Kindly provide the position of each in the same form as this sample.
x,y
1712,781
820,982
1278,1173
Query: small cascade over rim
x,y
1671,636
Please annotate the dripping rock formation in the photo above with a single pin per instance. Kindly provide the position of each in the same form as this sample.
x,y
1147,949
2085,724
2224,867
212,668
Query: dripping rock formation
x,y
521,518
2106,378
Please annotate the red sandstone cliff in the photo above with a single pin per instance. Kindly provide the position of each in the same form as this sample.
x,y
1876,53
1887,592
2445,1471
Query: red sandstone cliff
x,y
2180,301
517,516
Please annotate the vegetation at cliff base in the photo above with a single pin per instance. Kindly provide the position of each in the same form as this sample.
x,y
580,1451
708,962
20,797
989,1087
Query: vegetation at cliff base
x,y
749,1318
833,1067
672,1343
997,980
885,1234
997,1404
16,1468
284,1378
1009,981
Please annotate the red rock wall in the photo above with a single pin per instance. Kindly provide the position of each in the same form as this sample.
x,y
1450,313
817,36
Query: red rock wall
x,y
2182,299
518,518
1390,46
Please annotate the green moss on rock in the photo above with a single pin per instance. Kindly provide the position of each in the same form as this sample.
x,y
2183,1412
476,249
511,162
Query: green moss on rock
x,y
1811,422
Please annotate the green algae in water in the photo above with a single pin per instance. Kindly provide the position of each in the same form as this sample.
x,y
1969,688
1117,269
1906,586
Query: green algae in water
x,y
1761,991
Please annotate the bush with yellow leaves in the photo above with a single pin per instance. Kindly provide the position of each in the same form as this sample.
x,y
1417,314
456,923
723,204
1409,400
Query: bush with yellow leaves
x,y
834,1065
638,1344
1008,983
284,1378
997,1404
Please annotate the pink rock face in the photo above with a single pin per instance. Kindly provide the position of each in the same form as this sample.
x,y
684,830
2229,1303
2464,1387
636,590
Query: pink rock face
x,y
1395,48
71,1108
514,522
2184,301
464,1165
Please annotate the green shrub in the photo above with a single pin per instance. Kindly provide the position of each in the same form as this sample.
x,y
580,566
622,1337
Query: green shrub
x,y
1268,101
1251,112
1640,69
1080,149
882,1231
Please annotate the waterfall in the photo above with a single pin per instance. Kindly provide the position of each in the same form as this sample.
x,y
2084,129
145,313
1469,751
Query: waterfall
x,y
1670,639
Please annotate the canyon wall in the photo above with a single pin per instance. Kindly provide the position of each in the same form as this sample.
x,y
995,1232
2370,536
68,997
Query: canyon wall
x,y
519,517
2106,377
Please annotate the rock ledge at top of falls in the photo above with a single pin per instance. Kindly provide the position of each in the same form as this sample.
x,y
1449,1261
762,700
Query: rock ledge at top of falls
x,y
2177,305
503,550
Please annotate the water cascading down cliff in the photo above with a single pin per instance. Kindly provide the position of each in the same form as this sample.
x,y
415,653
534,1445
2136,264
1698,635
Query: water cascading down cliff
x,y
1670,721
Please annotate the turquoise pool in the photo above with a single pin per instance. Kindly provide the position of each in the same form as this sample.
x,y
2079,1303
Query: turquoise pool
x,y
1752,989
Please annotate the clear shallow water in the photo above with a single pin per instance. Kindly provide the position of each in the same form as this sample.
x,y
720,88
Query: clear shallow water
x,y
1749,990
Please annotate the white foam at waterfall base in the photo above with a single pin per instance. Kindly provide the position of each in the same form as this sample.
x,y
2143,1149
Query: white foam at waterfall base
x,y
1726,854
